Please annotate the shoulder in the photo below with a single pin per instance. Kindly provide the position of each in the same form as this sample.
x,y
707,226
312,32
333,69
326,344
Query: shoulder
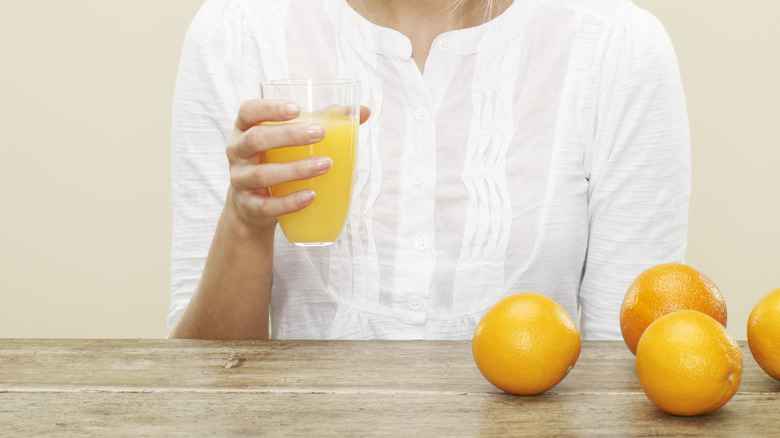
x,y
609,25
226,23
261,10
222,12
606,13
603,9
248,5
258,18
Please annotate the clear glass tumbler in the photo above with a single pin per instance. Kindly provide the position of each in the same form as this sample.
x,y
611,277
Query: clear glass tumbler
x,y
334,103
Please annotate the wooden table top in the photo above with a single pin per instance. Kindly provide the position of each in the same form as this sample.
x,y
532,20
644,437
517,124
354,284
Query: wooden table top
x,y
56,387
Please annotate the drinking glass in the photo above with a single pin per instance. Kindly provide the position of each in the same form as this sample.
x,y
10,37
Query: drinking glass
x,y
334,103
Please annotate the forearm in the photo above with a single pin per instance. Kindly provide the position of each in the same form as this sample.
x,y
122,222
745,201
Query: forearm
x,y
232,298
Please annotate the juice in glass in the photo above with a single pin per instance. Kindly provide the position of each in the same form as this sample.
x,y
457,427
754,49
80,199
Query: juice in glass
x,y
321,222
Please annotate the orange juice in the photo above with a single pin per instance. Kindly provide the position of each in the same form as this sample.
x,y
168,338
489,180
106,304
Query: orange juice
x,y
321,222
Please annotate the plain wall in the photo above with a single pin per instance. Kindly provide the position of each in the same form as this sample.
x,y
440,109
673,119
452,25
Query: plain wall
x,y
85,102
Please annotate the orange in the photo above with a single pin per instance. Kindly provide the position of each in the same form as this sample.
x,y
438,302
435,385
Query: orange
x,y
525,344
688,364
763,333
664,289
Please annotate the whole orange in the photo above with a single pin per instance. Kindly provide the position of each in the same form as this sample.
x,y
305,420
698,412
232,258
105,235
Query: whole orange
x,y
526,344
688,364
763,333
663,289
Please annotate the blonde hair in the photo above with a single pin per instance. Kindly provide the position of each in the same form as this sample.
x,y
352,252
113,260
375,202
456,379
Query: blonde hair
x,y
491,6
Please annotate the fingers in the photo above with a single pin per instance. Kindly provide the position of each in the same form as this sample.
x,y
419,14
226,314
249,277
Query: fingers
x,y
252,137
253,177
257,209
255,111
250,178
365,112
260,138
250,186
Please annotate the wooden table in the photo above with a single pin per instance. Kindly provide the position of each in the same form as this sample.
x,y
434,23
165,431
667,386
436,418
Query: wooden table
x,y
51,387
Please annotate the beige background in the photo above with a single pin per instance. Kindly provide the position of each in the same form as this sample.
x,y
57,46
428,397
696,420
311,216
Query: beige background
x,y
85,101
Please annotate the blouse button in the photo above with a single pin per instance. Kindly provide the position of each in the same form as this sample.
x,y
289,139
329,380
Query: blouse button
x,y
415,303
417,179
421,243
421,114
444,45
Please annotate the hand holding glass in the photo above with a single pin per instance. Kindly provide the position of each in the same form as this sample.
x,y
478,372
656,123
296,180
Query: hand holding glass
x,y
334,103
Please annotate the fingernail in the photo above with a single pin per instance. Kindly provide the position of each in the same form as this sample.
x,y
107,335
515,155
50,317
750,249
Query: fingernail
x,y
306,196
322,165
316,131
291,109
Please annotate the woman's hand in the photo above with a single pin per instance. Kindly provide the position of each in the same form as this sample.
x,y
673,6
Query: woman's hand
x,y
250,178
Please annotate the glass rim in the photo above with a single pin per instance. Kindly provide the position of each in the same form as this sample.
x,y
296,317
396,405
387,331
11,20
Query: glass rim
x,y
311,81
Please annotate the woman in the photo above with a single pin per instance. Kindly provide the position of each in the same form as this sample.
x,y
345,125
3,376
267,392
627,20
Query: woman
x,y
534,145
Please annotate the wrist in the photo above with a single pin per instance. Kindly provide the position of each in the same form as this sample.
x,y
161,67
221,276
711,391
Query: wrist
x,y
242,227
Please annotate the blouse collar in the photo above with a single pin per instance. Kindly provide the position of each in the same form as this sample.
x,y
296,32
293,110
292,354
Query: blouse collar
x,y
388,41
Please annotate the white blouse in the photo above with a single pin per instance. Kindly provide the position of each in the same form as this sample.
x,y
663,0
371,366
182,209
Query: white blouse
x,y
546,150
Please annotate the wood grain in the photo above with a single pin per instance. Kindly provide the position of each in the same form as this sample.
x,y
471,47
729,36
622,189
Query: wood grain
x,y
335,388
362,414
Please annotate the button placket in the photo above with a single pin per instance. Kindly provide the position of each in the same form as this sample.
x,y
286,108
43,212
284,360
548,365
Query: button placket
x,y
421,242
420,167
